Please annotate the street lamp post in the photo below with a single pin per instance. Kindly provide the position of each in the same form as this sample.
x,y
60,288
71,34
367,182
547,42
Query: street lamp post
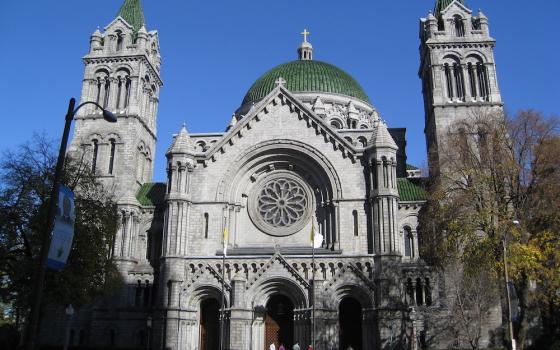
x,y
69,312
506,277
149,332
33,324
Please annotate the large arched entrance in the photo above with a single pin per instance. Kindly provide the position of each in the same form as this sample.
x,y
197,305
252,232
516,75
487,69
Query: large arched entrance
x,y
209,324
279,322
350,321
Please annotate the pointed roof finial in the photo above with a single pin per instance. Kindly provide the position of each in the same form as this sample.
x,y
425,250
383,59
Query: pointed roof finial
x,y
131,11
182,142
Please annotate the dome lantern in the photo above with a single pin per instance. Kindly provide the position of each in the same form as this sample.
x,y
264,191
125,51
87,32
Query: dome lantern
x,y
305,49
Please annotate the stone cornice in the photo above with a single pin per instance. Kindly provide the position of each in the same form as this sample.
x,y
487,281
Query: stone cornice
x,y
88,59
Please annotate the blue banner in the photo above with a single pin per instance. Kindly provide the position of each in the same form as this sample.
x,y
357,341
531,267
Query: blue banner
x,y
63,231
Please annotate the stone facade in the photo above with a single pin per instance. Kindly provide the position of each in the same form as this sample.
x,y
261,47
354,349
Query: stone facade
x,y
289,163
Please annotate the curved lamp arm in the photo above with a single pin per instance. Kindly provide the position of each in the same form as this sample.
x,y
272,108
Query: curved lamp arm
x,y
108,116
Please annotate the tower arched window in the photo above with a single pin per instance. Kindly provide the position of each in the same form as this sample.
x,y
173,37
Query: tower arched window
x,y
472,79
355,217
127,91
99,85
120,40
458,26
112,155
385,172
419,292
119,91
482,75
459,81
448,81
94,155
206,225
169,177
408,242
107,83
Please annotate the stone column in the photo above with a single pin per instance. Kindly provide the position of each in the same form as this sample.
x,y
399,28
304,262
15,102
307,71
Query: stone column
x,y
240,316
389,307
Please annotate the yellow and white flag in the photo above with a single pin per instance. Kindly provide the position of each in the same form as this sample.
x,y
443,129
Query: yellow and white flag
x,y
315,238
225,243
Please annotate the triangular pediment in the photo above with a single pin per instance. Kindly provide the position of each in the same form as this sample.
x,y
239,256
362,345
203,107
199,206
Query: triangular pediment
x,y
350,273
204,272
454,8
120,23
274,267
280,98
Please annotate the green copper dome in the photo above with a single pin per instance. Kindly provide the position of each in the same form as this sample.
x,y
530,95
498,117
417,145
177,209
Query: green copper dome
x,y
307,76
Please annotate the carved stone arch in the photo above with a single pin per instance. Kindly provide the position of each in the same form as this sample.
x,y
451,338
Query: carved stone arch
x,y
336,121
363,125
191,298
228,186
201,145
265,289
349,139
102,71
350,289
362,141
451,57
94,136
123,67
476,56
114,136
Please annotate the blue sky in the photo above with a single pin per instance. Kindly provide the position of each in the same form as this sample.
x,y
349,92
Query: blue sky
x,y
214,50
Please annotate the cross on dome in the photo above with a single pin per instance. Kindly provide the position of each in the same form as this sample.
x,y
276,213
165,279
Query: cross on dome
x,y
305,33
280,81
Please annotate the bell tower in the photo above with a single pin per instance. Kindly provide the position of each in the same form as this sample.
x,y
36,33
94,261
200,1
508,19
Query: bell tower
x,y
122,74
457,69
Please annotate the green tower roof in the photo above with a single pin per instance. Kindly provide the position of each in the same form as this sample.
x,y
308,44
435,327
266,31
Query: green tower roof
x,y
442,5
132,13
307,76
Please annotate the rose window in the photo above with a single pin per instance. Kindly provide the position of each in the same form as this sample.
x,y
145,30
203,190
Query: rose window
x,y
282,202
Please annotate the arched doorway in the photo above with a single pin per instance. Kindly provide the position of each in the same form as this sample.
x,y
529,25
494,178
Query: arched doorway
x,y
279,322
350,324
209,324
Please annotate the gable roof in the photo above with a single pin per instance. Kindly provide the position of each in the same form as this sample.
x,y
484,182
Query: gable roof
x,y
280,95
411,190
151,194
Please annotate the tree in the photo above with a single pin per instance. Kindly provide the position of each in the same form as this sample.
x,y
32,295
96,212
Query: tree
x,y
25,181
495,172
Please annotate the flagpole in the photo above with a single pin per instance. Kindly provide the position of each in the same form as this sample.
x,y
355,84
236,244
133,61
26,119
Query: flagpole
x,y
223,294
313,291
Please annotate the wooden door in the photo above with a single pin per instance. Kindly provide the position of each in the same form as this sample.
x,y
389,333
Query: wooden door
x,y
271,331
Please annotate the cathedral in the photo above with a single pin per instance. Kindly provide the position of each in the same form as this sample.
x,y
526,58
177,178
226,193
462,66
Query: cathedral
x,y
221,254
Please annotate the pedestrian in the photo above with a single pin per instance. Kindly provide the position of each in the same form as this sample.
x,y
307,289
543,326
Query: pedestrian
x,y
296,347
281,347
309,347
272,347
